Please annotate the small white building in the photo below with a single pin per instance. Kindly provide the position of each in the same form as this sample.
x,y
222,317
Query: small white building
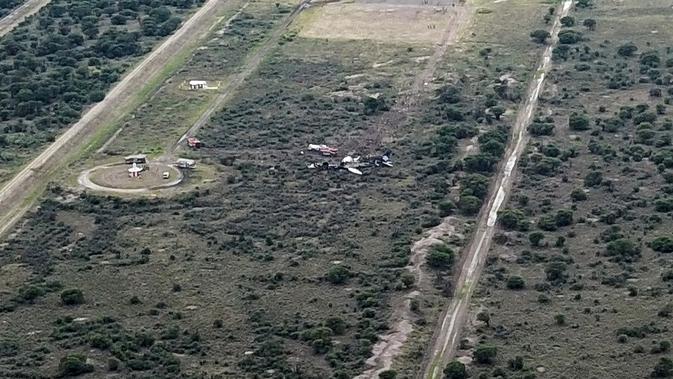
x,y
197,84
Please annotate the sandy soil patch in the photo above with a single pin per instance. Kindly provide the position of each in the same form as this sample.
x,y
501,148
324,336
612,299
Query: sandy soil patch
x,y
422,24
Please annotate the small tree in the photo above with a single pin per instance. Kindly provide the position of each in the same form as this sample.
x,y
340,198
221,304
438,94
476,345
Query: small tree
x,y
469,205
440,257
338,274
72,297
578,195
484,317
540,36
516,283
578,122
485,354
564,217
568,21
593,179
388,374
455,370
662,244
627,49
555,272
590,23
663,369
74,364
510,219
446,208
497,112
535,238
516,364
560,319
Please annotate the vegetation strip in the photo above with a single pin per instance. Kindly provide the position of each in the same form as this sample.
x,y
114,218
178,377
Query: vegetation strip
x,y
445,340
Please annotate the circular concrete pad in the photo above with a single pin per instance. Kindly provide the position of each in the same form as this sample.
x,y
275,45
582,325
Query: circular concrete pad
x,y
115,178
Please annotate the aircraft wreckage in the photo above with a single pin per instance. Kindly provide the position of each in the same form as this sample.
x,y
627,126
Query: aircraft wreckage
x,y
349,163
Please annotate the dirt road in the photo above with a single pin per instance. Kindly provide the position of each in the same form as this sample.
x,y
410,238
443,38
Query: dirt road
x,y
446,337
251,64
17,195
30,7
390,344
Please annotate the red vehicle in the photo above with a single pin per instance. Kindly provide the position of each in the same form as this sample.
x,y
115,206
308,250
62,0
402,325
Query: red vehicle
x,y
194,143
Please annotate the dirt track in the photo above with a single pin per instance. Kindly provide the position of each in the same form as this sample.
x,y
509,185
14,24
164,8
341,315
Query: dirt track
x,y
84,180
390,345
27,9
446,337
16,195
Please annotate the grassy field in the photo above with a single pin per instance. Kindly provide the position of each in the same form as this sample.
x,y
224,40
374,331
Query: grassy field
x,y
579,278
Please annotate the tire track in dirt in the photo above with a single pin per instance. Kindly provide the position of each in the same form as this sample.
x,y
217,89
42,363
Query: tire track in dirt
x,y
390,345
18,194
445,339
23,11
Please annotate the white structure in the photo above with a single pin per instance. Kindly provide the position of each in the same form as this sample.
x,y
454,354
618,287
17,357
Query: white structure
x,y
134,171
197,84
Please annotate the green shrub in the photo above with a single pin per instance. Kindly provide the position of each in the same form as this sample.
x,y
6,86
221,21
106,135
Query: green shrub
x,y
578,195
535,238
440,257
485,354
338,274
578,122
72,297
663,369
455,370
564,217
469,205
593,179
512,219
516,283
74,364
662,245
622,249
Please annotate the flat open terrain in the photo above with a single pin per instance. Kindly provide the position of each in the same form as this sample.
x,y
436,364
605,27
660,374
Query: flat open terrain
x,y
275,270
393,23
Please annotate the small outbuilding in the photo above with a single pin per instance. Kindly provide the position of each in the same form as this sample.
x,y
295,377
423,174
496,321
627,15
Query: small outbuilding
x,y
137,158
197,84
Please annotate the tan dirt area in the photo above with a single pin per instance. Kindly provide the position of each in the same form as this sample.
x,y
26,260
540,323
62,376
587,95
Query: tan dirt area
x,y
422,24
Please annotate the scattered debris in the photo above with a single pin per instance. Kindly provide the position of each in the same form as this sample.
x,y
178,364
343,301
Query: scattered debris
x,y
194,143
354,164
325,150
